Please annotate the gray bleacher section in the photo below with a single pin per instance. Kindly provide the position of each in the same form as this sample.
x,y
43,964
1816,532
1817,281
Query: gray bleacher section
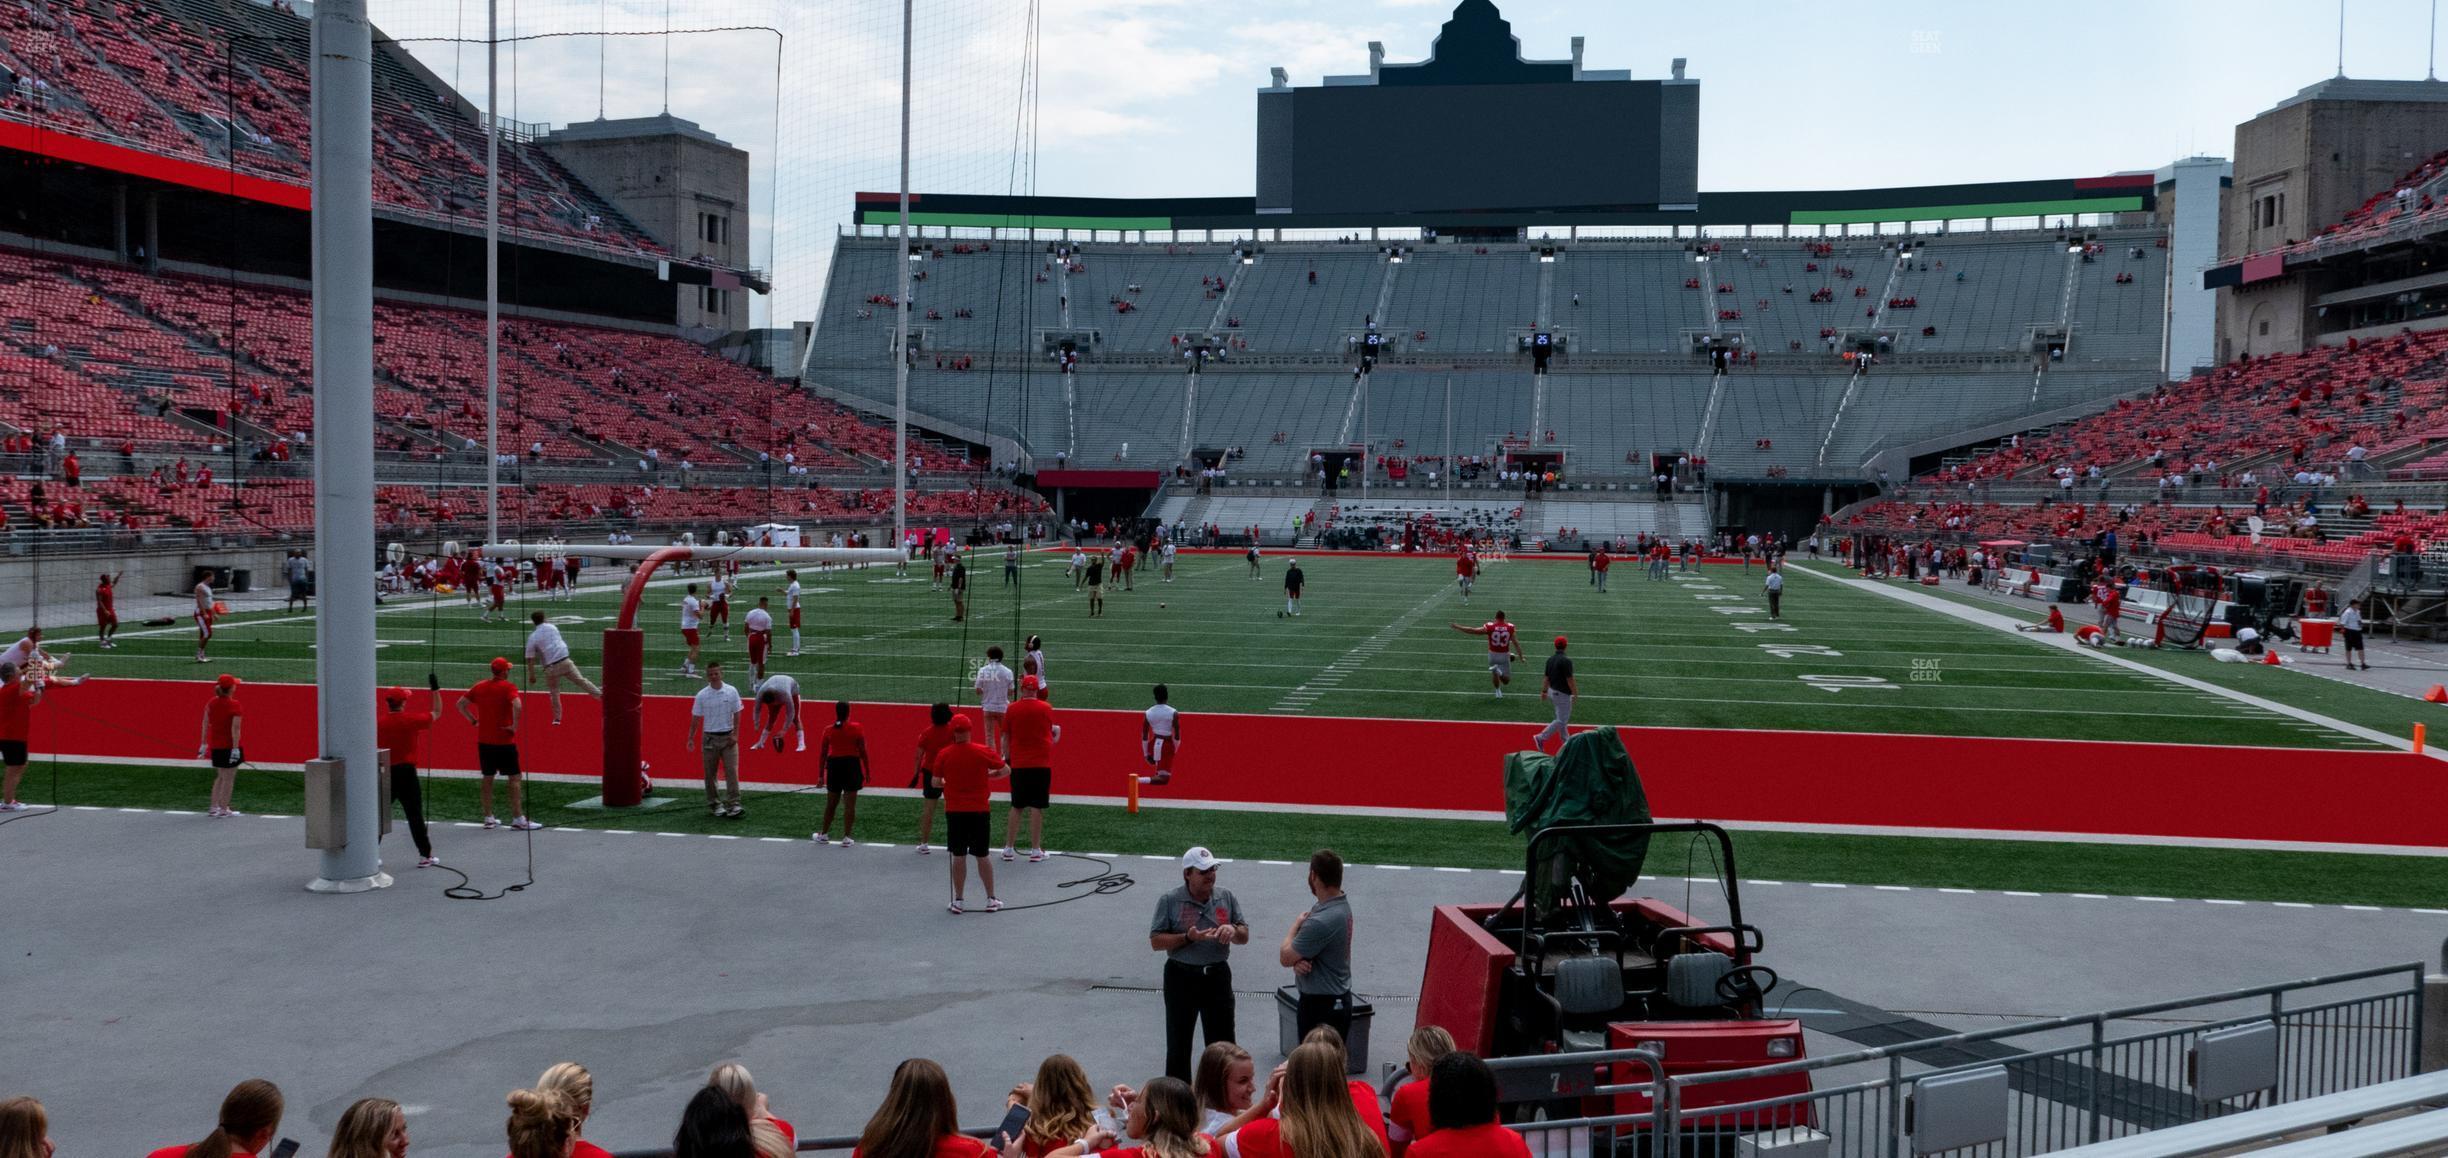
x,y
1025,407
2009,284
1271,515
1281,312
1170,300
1614,520
1248,409
2121,322
1467,304
1790,410
864,266
1893,407
1409,407
1127,418
1632,298
1604,417
1762,272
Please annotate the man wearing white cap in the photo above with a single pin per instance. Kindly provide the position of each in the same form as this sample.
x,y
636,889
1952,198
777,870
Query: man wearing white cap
x,y
1196,927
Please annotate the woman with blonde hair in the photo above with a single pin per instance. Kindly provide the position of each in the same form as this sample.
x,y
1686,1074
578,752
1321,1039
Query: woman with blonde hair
x,y
1165,1113
918,1119
577,1086
543,1124
772,1137
1409,1121
1062,1107
25,1131
250,1117
371,1128
1226,1083
1319,1120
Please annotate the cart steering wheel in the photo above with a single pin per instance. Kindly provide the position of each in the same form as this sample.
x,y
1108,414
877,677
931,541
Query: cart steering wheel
x,y
1746,984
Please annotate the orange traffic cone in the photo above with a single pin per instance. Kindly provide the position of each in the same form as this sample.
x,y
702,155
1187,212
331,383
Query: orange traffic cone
x,y
2270,658
2437,694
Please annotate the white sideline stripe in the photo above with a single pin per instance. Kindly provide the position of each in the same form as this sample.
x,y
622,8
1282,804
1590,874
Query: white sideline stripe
x,y
1995,621
1500,871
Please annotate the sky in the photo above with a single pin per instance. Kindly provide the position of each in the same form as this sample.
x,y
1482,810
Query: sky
x,y
1148,98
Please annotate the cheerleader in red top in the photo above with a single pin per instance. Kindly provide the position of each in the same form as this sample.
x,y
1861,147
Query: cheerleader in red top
x,y
1166,1114
1320,1115
1409,1122
772,1137
919,1118
577,1087
1462,1110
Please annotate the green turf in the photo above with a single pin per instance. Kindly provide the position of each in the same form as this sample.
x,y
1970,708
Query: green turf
x,y
2296,686
1929,862
1673,653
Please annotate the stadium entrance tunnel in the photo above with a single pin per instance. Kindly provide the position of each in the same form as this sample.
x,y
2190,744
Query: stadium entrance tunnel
x,y
1788,506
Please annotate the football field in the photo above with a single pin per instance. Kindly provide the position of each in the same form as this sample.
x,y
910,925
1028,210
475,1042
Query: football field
x,y
1373,640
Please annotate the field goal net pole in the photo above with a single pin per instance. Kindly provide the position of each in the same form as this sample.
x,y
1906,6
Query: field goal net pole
x,y
624,645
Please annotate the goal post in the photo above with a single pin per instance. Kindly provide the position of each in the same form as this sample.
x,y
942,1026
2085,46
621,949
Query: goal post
x,y
624,645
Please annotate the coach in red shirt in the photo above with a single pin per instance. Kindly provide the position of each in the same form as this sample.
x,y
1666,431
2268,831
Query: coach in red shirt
x,y
493,707
965,770
1029,725
399,731
222,729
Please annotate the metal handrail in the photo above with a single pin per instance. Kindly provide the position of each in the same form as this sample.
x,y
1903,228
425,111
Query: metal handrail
x,y
1875,1053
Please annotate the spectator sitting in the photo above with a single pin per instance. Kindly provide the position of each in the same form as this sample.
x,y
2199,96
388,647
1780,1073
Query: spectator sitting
x,y
250,1117
1165,1116
1410,1120
713,1126
1226,1083
1462,1113
25,1132
919,1119
771,1137
1062,1108
542,1124
1315,1099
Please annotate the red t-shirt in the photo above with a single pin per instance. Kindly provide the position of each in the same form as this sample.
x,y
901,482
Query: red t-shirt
x,y
218,716
963,769
180,1151
1489,1141
586,1149
400,732
844,740
1030,723
105,600
1411,1109
948,1146
16,710
1264,1139
931,742
492,700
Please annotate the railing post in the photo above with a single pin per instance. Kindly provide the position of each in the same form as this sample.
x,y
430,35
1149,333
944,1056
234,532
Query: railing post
x,y
2431,1022
2092,1083
1895,1106
1666,1110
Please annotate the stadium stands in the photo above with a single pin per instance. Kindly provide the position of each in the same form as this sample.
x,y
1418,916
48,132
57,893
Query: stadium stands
x,y
1464,303
1632,300
165,78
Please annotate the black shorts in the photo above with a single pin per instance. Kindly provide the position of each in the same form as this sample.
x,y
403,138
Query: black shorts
x,y
931,790
497,759
842,774
12,752
965,833
1032,787
2354,642
224,757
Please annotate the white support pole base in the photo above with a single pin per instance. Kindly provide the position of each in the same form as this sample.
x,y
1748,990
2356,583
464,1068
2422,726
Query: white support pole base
x,y
380,880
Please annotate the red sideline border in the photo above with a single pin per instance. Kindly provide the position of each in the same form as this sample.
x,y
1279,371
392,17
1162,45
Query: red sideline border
x,y
1311,763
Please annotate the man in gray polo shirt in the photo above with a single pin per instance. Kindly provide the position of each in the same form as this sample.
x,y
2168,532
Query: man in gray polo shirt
x,y
1559,687
1196,927
1318,950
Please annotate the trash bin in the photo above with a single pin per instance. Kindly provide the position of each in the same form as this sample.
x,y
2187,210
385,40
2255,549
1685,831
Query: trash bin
x,y
242,580
1355,1043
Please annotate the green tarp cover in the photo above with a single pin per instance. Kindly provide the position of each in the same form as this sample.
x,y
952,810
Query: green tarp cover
x,y
1589,781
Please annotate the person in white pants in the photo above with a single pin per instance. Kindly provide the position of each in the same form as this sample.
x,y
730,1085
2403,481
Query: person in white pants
x,y
1559,687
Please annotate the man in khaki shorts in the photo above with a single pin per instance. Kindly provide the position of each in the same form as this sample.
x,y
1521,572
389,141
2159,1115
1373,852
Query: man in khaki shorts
x,y
714,717
546,648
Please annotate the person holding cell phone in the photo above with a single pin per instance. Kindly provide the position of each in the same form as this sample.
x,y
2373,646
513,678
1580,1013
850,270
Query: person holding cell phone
x,y
1056,1111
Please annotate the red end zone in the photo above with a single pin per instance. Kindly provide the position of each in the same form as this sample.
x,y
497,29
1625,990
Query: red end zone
x,y
1310,763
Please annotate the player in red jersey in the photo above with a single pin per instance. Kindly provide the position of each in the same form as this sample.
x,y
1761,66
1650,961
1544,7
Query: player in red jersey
x,y
106,608
1503,649
497,581
1466,570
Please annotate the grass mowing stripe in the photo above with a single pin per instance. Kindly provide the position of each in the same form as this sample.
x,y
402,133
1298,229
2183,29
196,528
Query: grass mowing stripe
x,y
2025,867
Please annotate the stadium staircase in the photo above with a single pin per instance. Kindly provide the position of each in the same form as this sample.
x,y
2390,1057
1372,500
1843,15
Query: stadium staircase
x,y
1385,297
1670,520
1224,301
1843,403
1351,410
2065,298
1708,416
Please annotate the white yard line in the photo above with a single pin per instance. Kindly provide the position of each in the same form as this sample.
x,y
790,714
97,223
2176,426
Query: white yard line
x,y
1998,622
